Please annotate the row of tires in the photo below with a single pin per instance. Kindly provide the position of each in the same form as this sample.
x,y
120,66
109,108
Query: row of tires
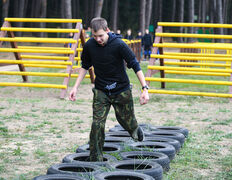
x,y
139,160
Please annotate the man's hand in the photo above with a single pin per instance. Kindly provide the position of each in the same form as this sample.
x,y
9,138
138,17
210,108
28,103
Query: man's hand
x,y
144,97
72,94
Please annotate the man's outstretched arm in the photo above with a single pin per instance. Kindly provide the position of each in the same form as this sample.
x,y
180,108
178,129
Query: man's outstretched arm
x,y
144,97
73,92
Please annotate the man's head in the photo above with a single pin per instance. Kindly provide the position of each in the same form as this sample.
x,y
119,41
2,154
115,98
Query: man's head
x,y
139,33
147,31
100,30
129,32
98,23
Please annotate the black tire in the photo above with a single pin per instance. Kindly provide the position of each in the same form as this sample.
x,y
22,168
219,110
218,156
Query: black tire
x,y
157,157
116,129
122,175
170,141
119,134
80,169
182,130
165,148
143,125
116,140
145,167
58,177
107,148
173,135
84,158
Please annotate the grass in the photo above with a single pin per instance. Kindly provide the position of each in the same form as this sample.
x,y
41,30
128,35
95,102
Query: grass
x,y
37,129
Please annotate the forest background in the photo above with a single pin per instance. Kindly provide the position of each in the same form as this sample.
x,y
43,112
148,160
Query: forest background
x,y
135,14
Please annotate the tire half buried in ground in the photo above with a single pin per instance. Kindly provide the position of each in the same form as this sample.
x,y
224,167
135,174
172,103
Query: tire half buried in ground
x,y
122,175
182,130
170,141
107,148
80,169
58,177
157,157
168,134
165,148
84,158
141,166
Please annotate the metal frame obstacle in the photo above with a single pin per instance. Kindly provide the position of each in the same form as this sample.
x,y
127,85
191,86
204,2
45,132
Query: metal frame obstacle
x,y
197,59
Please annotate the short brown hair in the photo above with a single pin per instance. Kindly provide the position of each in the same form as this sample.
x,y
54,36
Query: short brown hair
x,y
98,23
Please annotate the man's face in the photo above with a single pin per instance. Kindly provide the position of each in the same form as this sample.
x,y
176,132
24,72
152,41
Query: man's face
x,y
101,36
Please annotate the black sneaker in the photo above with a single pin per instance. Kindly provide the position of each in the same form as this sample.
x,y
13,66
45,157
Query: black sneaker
x,y
140,134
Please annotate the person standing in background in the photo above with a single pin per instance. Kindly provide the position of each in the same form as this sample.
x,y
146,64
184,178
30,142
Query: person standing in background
x,y
147,44
139,37
128,35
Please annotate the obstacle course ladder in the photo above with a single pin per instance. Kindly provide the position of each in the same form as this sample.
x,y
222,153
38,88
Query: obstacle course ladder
x,y
193,59
62,58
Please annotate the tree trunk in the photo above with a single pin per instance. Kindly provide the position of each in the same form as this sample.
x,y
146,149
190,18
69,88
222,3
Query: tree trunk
x,y
76,9
114,15
142,16
92,9
181,18
220,16
160,10
21,10
173,10
199,12
68,12
191,19
225,14
5,9
43,15
203,18
98,8
212,11
86,16
156,12
148,13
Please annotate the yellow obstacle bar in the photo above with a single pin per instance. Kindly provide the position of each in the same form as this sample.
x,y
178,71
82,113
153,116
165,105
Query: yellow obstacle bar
x,y
191,81
34,73
191,58
48,57
210,25
33,85
39,74
35,62
189,69
196,64
36,51
189,93
48,30
47,20
194,45
212,36
39,40
197,54
196,73
49,66
44,47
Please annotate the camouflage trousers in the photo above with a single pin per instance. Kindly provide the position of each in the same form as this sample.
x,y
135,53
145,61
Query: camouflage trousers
x,y
124,111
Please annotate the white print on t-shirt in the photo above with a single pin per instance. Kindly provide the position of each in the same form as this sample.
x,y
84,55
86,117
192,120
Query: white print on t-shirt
x,y
111,86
